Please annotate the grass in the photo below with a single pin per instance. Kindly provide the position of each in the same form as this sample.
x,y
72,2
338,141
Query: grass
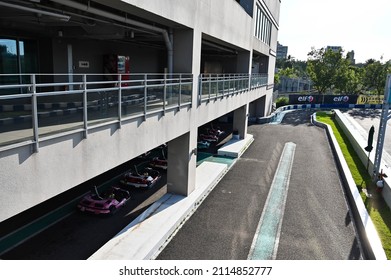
x,y
378,210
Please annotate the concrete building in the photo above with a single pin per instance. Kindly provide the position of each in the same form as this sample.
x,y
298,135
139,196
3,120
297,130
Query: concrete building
x,y
282,51
85,86
334,48
350,56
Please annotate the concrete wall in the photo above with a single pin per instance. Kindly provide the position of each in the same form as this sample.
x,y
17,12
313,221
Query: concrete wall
x,y
358,145
142,59
221,19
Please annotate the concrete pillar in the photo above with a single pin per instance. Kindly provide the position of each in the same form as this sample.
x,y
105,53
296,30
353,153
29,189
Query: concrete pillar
x,y
260,107
182,158
240,120
181,165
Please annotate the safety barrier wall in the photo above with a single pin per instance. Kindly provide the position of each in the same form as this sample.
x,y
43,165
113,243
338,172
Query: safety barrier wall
x,y
371,243
358,144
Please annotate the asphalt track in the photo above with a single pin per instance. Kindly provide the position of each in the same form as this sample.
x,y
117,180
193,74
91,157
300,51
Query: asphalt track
x,y
316,223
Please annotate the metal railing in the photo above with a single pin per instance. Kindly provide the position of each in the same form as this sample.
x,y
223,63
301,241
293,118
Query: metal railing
x,y
43,105
37,107
219,85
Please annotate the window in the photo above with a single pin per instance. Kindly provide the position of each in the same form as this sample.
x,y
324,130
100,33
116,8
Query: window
x,y
263,26
17,57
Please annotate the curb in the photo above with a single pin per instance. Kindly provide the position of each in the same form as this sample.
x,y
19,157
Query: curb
x,y
373,248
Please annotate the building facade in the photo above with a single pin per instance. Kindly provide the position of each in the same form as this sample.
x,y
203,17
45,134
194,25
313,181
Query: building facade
x,y
88,85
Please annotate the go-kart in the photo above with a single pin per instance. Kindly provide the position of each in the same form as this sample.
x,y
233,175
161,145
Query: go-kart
x,y
144,179
105,203
158,163
209,137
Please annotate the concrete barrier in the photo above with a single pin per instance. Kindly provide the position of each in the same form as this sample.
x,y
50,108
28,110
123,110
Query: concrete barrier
x,y
358,144
372,246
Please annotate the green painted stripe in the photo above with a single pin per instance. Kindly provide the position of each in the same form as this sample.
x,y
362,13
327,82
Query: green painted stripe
x,y
266,239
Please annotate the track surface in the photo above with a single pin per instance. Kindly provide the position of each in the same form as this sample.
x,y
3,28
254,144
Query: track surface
x,y
316,222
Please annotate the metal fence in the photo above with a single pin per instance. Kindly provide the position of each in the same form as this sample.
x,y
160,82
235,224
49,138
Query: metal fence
x,y
219,85
43,105
36,107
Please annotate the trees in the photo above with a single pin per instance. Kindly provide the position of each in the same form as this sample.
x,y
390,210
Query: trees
x,y
332,71
349,80
375,74
323,66
289,68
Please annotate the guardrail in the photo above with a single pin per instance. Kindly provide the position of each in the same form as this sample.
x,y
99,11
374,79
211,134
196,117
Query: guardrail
x,y
38,107
213,86
372,245
48,105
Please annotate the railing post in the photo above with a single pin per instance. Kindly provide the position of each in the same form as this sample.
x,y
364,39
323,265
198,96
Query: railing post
x,y
217,86
145,96
34,114
223,85
164,94
85,107
210,86
235,89
120,100
231,85
180,92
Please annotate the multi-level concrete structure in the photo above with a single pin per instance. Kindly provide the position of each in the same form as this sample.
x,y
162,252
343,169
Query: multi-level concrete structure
x,y
73,101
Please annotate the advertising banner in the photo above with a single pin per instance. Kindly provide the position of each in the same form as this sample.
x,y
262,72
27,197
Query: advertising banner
x,y
322,99
304,99
340,99
370,99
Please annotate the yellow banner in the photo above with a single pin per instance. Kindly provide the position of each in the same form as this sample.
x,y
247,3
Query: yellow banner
x,y
370,99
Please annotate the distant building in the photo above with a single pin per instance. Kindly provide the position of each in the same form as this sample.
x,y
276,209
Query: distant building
x,y
334,48
282,51
350,56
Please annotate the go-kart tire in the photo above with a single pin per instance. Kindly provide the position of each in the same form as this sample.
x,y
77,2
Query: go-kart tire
x,y
112,210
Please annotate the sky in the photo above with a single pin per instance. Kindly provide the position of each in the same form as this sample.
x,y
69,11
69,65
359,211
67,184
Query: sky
x,y
362,26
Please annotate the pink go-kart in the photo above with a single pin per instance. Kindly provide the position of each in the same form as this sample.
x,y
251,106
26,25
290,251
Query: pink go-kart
x,y
106,203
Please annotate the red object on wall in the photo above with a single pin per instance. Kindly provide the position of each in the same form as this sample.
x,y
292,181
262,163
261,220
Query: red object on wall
x,y
116,64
